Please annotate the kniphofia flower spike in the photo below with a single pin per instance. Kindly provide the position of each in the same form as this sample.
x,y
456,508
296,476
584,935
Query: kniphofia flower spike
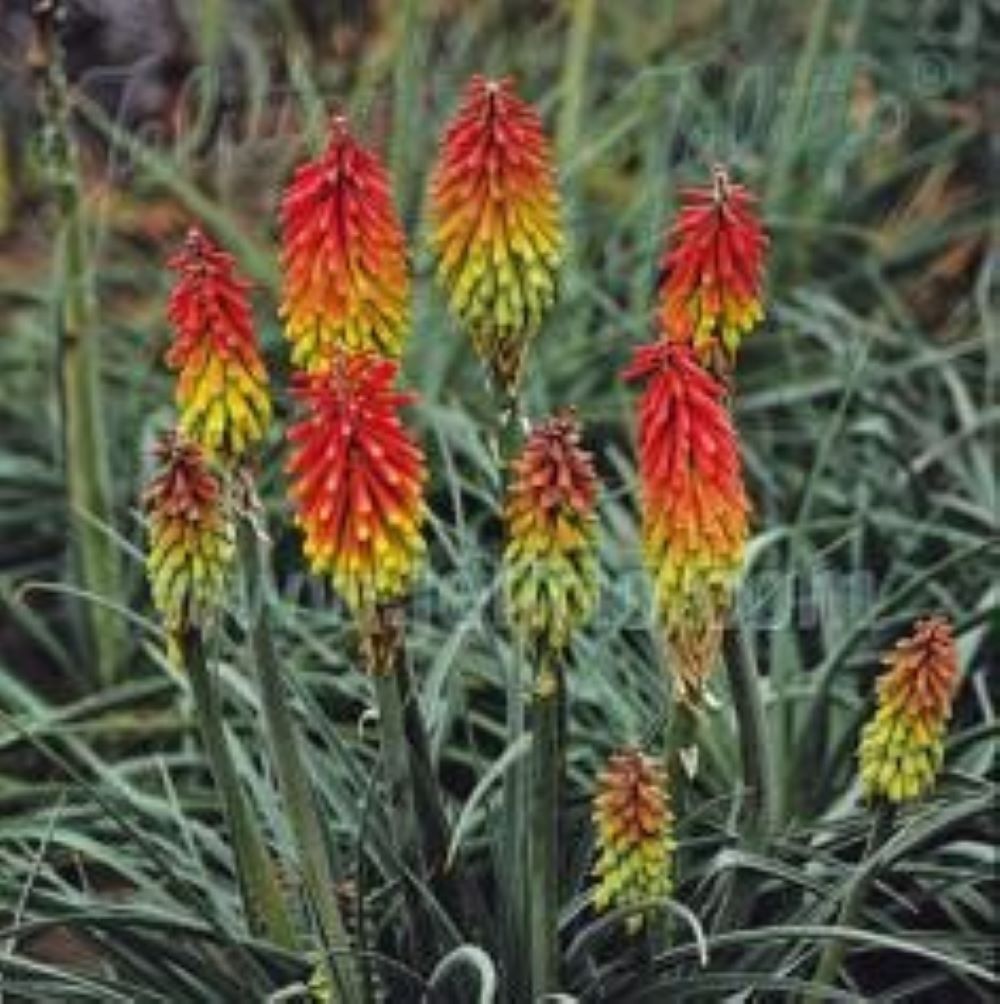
x,y
551,523
710,290
221,389
495,224
634,839
346,280
694,506
357,481
902,746
191,535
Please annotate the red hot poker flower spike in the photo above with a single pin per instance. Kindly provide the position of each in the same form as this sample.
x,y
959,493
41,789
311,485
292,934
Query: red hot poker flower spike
x,y
357,481
346,282
635,840
694,506
495,224
550,559
902,747
710,293
222,384
191,537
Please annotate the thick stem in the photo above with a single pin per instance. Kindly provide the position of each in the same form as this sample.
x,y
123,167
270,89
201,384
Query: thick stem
x,y
574,75
314,852
84,440
407,88
758,815
514,841
850,910
543,857
435,831
259,888
382,640
755,751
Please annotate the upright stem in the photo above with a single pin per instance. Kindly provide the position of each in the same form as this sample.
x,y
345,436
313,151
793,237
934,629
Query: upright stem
x,y
788,142
84,440
435,831
751,723
514,839
850,910
406,104
574,75
543,856
314,852
261,894
382,640
758,816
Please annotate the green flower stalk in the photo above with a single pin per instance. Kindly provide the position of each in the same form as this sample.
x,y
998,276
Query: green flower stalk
x,y
190,557
550,572
899,756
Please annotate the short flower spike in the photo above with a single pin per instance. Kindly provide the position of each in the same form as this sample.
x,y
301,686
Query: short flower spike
x,y
357,481
710,292
694,506
191,537
495,224
222,391
550,560
346,279
902,747
635,841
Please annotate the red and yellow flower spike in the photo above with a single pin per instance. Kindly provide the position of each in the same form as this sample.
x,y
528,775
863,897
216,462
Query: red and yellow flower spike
x,y
357,481
694,506
710,292
221,390
635,834
346,279
902,746
191,535
550,559
495,223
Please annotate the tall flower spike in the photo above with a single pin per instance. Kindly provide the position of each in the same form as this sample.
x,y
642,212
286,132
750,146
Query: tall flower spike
x,y
635,839
346,280
357,481
902,746
495,224
710,292
191,537
550,560
694,507
222,384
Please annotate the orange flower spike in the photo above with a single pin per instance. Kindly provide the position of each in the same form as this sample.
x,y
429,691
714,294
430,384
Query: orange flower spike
x,y
221,391
191,537
902,747
346,279
550,559
495,224
357,481
634,834
710,293
694,506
